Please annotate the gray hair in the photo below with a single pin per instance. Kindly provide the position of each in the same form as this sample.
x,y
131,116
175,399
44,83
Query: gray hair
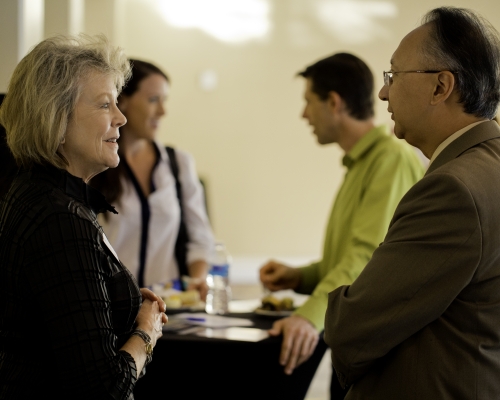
x,y
44,89
469,46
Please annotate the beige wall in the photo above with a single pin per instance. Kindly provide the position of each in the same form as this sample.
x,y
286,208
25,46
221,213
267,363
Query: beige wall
x,y
21,27
270,186
9,41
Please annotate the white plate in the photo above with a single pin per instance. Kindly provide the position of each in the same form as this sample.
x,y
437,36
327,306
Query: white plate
x,y
271,313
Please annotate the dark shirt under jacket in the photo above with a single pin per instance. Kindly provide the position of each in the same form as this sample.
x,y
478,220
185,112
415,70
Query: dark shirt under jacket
x,y
67,304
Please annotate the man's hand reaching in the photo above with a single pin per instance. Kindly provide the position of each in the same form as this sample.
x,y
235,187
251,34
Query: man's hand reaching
x,y
276,276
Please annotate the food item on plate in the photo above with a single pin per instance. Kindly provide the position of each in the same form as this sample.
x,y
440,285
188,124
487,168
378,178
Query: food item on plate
x,y
272,303
173,301
287,304
189,298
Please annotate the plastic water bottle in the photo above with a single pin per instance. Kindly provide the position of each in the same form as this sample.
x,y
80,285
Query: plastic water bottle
x,y
219,291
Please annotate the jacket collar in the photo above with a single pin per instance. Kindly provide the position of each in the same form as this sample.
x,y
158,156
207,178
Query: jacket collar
x,y
74,187
474,136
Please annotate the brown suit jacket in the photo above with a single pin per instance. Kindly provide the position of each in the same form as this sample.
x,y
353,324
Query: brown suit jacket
x,y
422,321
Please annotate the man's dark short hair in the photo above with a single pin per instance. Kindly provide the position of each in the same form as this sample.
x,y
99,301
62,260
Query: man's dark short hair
x,y
347,75
466,44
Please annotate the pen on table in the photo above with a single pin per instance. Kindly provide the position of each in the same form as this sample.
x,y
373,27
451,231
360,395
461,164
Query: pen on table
x,y
197,319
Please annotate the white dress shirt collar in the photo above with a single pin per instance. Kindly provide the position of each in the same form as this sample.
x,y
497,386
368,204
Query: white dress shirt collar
x,y
451,138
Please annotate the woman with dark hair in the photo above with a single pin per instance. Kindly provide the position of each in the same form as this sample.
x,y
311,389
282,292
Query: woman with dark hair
x,y
162,232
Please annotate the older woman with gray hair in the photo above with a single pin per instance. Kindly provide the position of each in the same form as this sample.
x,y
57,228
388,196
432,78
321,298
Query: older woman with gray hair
x,y
59,276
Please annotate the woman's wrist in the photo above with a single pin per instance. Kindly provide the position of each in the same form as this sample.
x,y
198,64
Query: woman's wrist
x,y
198,269
149,330
148,343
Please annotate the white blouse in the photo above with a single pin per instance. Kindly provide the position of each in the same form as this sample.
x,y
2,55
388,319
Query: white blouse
x,y
124,229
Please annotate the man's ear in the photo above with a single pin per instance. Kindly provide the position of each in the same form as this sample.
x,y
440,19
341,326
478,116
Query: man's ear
x,y
444,85
335,102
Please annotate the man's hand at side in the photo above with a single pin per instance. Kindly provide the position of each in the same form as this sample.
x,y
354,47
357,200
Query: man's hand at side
x,y
300,338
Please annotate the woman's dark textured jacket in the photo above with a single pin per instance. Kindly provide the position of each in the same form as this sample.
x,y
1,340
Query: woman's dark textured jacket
x,y
67,304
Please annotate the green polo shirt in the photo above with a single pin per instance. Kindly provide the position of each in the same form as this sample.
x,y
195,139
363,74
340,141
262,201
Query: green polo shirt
x,y
380,170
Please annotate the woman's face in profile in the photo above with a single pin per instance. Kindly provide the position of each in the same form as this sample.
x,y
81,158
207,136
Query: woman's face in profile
x,y
146,106
90,141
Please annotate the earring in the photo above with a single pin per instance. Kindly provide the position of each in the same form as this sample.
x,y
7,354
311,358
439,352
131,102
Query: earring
x,y
63,140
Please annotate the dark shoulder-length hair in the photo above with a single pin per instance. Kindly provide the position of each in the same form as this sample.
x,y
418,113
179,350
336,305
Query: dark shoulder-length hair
x,y
109,182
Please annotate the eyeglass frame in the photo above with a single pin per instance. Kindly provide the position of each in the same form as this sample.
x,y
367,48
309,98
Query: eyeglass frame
x,y
388,74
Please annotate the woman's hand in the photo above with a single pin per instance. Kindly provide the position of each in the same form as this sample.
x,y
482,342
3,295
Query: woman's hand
x,y
197,279
150,319
200,285
151,316
148,294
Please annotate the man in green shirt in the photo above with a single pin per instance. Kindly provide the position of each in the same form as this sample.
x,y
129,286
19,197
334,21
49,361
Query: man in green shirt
x,y
379,171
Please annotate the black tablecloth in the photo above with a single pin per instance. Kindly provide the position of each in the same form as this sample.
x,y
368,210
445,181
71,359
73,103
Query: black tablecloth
x,y
194,367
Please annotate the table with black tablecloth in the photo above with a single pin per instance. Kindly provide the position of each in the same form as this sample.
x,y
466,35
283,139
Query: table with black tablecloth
x,y
195,367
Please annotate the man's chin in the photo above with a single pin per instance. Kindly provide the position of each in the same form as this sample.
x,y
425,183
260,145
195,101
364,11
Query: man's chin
x,y
319,140
398,132
404,136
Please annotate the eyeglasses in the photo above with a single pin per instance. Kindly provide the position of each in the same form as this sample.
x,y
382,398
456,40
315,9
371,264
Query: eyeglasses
x,y
388,74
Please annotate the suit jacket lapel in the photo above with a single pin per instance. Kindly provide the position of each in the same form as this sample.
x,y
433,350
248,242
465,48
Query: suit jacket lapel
x,y
478,134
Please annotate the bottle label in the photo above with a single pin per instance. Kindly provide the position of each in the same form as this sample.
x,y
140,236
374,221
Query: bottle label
x,y
220,270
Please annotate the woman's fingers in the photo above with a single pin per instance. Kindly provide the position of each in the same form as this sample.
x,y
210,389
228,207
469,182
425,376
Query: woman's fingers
x,y
150,295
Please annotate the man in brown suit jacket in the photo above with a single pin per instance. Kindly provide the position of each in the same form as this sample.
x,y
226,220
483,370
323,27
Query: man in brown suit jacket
x,y
422,320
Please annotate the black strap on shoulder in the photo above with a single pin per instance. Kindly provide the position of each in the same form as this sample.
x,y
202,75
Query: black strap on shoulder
x,y
145,218
182,236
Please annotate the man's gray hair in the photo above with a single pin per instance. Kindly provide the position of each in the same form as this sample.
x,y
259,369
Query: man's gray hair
x,y
463,42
